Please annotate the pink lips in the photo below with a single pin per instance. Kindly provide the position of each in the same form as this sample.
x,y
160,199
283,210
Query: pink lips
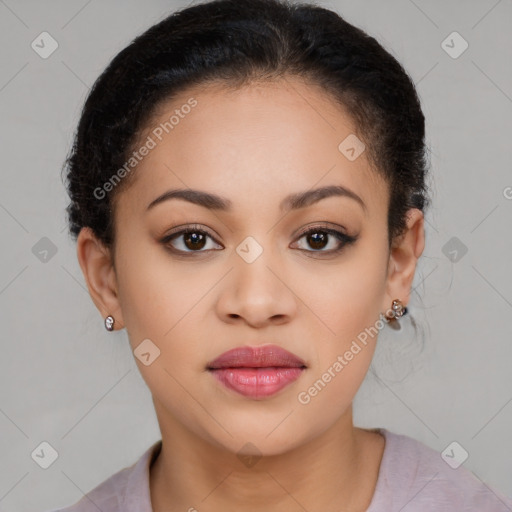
x,y
257,372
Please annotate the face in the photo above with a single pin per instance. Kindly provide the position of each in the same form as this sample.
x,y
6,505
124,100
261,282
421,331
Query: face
x,y
308,274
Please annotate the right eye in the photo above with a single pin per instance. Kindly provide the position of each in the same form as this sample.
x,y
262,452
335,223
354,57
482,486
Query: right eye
x,y
191,239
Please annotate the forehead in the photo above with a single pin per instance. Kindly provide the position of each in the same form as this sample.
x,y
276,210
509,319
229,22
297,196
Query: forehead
x,y
259,139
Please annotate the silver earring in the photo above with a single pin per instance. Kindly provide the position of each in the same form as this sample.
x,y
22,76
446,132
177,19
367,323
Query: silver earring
x,y
399,309
109,323
396,311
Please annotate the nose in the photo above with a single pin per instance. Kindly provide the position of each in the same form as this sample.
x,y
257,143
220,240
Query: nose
x,y
257,293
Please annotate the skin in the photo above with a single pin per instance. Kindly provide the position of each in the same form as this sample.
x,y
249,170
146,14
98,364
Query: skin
x,y
254,146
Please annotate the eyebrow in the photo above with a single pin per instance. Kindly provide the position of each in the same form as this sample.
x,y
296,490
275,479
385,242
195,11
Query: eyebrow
x,y
294,201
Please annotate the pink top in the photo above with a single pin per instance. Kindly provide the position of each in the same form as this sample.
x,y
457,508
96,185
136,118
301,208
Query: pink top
x,y
412,477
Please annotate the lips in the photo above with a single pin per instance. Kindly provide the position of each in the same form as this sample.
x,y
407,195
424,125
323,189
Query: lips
x,y
257,372
256,357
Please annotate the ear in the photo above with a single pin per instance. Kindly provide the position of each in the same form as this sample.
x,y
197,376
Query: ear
x,y
404,254
97,266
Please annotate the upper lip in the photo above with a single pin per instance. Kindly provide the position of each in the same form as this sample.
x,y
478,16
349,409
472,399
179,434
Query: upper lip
x,y
256,357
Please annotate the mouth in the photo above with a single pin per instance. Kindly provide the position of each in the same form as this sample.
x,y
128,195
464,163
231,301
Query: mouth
x,y
257,372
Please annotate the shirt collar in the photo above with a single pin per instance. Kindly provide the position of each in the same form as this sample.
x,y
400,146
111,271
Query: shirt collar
x,y
137,496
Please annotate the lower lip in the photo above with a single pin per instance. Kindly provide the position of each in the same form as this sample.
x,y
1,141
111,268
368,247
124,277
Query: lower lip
x,y
257,382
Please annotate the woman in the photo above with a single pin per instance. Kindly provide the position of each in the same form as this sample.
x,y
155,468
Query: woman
x,y
248,188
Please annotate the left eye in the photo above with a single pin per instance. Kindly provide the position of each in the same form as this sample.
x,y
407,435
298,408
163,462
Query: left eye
x,y
320,238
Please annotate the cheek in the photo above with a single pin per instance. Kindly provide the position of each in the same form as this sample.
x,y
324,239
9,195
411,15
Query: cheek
x,y
351,310
153,291
162,301
345,298
347,305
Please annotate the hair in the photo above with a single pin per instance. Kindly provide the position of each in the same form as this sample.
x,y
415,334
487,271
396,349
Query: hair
x,y
233,43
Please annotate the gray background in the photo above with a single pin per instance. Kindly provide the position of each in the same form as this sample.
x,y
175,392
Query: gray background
x,y
65,380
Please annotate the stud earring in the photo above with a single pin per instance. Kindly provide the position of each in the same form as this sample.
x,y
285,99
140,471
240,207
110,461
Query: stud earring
x,y
397,310
109,323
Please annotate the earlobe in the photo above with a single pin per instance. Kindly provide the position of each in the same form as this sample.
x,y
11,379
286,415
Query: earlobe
x,y
404,256
97,267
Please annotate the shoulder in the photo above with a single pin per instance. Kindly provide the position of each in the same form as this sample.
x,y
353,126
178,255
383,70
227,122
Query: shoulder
x,y
104,497
125,491
413,475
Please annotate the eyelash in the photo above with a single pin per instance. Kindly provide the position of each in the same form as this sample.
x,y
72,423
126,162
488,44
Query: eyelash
x,y
343,239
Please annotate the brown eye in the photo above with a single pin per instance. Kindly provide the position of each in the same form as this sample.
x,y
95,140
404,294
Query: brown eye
x,y
189,240
194,240
318,238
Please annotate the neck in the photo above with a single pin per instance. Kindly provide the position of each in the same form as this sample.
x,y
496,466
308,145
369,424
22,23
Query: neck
x,y
335,470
